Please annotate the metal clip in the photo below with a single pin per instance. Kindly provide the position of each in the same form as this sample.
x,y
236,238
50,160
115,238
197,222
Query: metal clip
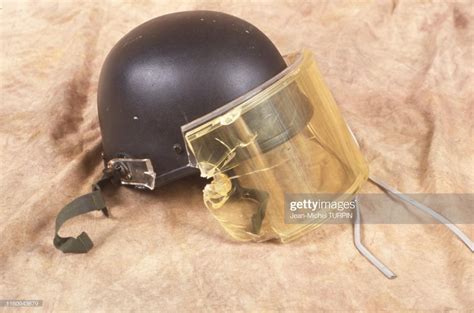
x,y
136,172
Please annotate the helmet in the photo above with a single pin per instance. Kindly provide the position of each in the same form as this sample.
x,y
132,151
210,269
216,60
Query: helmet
x,y
206,92
168,72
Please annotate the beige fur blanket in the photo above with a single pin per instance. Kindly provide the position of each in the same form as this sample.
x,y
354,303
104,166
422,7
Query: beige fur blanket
x,y
402,73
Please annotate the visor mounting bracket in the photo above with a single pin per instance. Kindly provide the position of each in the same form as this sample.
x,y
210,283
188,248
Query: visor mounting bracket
x,y
135,172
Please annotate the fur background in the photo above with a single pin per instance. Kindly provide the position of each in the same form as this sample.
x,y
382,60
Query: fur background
x,y
400,72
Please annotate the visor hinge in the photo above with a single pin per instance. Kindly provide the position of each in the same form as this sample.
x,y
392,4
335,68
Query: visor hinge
x,y
135,172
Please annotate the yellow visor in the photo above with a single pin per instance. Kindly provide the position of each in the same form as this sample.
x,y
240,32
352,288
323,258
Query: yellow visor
x,y
285,137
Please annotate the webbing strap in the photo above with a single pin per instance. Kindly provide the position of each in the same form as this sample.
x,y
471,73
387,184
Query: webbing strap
x,y
81,205
259,196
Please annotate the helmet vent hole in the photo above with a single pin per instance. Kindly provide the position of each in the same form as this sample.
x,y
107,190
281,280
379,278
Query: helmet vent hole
x,y
178,148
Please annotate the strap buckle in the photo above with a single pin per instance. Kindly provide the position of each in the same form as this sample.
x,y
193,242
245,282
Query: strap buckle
x,y
136,172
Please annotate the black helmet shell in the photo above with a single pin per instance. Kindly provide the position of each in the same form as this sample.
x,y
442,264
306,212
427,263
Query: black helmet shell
x,y
170,71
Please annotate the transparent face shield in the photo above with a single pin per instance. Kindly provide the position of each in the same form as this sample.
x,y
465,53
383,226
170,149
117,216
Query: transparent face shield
x,y
287,136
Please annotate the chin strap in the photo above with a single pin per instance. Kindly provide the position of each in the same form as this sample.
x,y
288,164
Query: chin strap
x,y
363,250
122,171
258,196
440,218
427,210
84,204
